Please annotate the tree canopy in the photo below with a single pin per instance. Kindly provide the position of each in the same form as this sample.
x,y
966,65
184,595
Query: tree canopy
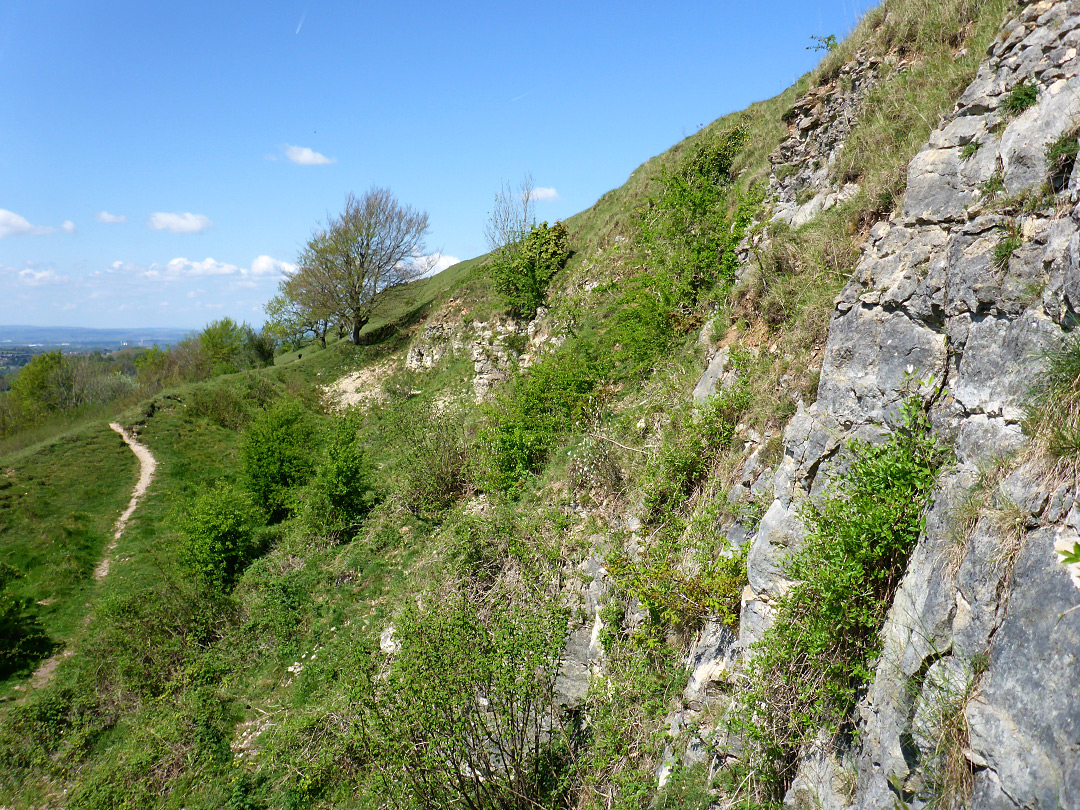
x,y
350,269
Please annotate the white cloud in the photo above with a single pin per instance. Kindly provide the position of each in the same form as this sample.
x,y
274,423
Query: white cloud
x,y
266,265
109,219
207,267
182,267
544,194
68,226
303,156
35,278
11,224
178,223
436,263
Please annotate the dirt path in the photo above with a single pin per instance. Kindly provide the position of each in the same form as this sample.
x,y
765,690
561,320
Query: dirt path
x,y
147,464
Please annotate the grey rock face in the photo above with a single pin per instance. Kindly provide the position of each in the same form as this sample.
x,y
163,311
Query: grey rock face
x,y
977,625
799,184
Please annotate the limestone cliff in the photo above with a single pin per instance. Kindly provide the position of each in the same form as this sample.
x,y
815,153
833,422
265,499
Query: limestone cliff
x,y
936,308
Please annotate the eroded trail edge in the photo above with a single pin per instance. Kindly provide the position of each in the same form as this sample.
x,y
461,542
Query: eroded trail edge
x,y
147,465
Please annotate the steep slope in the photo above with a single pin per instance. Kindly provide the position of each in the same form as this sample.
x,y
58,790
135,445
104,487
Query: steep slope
x,y
945,307
582,546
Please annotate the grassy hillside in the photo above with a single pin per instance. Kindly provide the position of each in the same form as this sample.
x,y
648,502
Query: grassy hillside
x,y
256,667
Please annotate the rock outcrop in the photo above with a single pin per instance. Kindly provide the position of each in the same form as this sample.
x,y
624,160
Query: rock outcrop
x,y
954,301
937,309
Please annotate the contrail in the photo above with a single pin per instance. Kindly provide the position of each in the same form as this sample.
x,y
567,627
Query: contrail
x,y
519,98
301,23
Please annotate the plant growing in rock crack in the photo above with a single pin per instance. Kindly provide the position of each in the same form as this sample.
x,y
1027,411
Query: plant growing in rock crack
x,y
1010,521
943,728
969,150
1020,98
994,185
808,669
972,505
1061,157
1006,246
1053,409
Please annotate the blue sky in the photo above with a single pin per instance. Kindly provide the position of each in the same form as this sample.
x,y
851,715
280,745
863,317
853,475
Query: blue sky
x,y
162,163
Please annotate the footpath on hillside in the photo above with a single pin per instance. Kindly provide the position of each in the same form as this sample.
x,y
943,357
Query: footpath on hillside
x,y
147,464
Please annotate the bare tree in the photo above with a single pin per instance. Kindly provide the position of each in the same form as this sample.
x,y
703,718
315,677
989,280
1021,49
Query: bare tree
x,y
512,215
349,270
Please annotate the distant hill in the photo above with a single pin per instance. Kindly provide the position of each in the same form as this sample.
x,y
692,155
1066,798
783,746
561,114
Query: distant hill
x,y
76,337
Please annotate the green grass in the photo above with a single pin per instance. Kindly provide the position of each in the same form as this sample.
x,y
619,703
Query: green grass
x,y
58,503
166,675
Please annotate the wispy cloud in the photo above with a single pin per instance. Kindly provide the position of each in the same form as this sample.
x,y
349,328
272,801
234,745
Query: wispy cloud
x,y
303,156
179,223
11,224
109,219
301,23
544,194
68,226
182,267
35,278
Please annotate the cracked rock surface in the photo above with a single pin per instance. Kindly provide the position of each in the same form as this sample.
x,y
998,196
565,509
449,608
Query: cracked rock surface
x,y
934,310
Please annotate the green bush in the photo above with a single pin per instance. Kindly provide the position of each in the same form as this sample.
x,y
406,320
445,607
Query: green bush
x,y
22,638
437,463
340,493
532,413
684,600
221,404
684,234
464,713
277,456
692,442
219,536
230,346
807,671
1020,98
522,271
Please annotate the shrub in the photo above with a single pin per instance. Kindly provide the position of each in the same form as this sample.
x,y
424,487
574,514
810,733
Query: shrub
x,y
684,235
682,600
522,271
22,638
221,404
532,413
436,467
1061,157
1020,98
807,670
594,469
339,494
276,456
464,713
692,443
219,536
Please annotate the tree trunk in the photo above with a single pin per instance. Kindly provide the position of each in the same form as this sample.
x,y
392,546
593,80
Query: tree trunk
x,y
357,324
